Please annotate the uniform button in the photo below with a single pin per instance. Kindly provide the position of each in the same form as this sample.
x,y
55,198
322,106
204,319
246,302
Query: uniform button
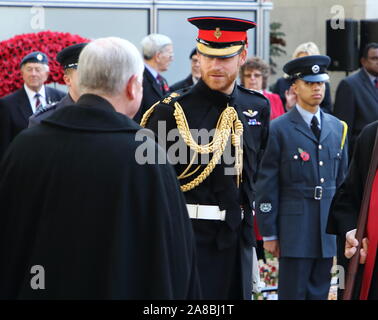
x,y
320,163
321,180
295,157
320,147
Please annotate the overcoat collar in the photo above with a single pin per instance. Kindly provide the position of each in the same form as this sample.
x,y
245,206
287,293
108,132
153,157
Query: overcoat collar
x,y
91,113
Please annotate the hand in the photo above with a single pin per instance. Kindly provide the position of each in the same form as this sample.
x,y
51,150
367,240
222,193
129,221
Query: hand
x,y
272,247
291,98
351,244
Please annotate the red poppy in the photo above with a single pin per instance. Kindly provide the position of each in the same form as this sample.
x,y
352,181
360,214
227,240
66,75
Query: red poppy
x,y
14,49
304,155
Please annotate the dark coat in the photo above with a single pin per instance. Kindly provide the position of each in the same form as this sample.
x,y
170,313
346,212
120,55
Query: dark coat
x,y
356,103
285,204
101,225
218,242
187,82
151,94
283,84
15,110
48,110
346,204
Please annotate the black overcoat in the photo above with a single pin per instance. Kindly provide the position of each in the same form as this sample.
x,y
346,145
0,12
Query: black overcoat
x,y
74,200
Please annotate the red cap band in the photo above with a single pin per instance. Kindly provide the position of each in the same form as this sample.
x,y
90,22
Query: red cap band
x,y
218,35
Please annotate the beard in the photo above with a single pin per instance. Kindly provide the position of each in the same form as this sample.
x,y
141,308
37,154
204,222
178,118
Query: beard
x,y
219,81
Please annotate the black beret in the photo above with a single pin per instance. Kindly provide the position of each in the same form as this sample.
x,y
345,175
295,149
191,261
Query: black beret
x,y
69,56
192,53
36,57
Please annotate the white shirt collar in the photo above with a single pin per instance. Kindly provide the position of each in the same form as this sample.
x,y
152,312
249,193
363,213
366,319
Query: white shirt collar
x,y
195,80
371,77
31,96
152,70
307,115
32,93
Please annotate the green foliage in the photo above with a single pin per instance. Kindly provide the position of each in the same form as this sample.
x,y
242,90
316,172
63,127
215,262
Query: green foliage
x,y
277,43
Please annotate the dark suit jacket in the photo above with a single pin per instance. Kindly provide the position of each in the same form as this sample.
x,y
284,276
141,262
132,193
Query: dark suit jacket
x,y
187,82
151,94
15,110
356,103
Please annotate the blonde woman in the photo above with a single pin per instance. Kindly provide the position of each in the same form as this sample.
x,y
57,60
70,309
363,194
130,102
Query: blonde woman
x,y
283,85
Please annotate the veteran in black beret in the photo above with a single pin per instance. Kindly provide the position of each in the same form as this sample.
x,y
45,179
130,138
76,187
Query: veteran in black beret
x,y
17,107
306,159
68,58
217,173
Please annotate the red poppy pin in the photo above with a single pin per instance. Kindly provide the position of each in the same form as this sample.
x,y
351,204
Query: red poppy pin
x,y
304,155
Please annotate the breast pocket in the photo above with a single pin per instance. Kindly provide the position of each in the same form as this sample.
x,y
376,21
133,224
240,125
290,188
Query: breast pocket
x,y
292,167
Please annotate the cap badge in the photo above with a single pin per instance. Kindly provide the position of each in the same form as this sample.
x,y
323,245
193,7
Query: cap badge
x,y
265,207
39,57
217,33
315,68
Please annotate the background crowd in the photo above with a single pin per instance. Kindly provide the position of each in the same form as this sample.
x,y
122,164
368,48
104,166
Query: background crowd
x,y
286,164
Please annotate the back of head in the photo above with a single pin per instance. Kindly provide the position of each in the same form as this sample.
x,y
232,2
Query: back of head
x,y
153,43
106,65
306,49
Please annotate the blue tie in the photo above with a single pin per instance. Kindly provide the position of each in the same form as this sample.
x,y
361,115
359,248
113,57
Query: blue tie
x,y
315,127
37,101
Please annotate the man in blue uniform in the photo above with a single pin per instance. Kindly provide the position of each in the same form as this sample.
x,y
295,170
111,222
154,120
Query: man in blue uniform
x,y
68,59
219,203
305,161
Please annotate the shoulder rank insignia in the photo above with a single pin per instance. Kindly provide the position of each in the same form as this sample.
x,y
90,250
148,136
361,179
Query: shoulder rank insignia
x,y
168,99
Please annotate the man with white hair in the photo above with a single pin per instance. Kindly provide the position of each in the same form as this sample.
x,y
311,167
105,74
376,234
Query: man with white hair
x,y
17,107
75,223
157,50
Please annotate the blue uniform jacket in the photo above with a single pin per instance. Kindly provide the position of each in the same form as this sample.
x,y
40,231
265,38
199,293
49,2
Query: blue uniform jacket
x,y
288,184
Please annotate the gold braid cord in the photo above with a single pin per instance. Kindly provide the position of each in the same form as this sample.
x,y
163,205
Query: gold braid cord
x,y
228,124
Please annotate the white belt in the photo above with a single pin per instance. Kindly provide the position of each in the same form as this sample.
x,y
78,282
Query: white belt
x,y
197,211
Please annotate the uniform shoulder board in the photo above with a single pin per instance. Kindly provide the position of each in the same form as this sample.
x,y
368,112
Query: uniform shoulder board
x,y
45,108
172,98
345,132
257,93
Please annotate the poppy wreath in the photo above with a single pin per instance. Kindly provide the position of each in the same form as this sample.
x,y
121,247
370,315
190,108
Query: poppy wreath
x,y
14,49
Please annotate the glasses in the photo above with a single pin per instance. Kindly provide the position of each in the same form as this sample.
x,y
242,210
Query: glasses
x,y
254,75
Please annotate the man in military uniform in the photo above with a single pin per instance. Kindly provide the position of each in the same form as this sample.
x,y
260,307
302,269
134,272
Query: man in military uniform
x,y
17,107
219,204
194,75
305,161
68,58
